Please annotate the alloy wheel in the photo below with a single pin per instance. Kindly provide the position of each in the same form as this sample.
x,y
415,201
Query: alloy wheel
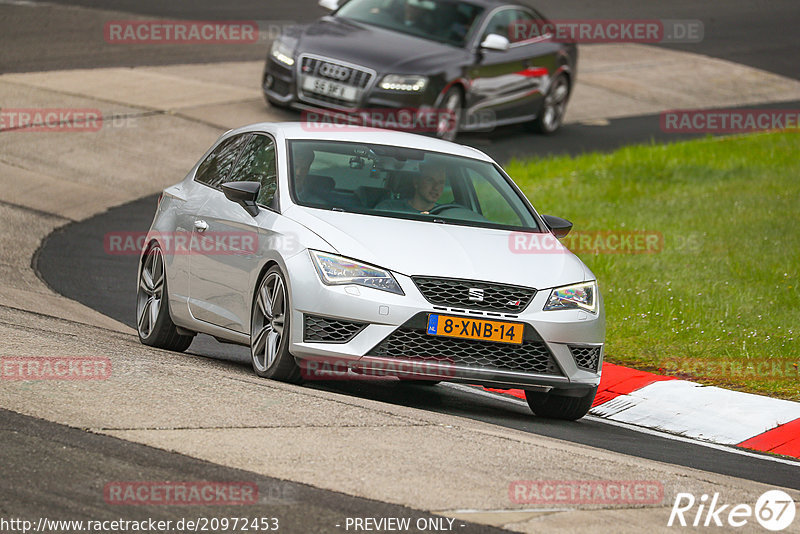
x,y
267,325
151,292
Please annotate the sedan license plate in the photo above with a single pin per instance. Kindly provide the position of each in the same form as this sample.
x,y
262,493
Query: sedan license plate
x,y
329,88
467,328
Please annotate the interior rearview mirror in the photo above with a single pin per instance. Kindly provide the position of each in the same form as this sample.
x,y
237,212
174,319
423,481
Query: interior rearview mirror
x,y
560,227
244,194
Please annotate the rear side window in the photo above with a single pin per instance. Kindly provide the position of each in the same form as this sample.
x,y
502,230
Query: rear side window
x,y
217,166
257,164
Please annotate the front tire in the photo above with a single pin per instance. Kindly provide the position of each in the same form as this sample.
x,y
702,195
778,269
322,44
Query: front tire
x,y
153,322
419,382
555,406
554,107
270,328
276,104
449,115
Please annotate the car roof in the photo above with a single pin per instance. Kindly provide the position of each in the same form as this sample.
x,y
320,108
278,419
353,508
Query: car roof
x,y
360,134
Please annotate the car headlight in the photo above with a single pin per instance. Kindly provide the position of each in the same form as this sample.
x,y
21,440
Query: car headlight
x,y
401,82
581,296
336,270
282,53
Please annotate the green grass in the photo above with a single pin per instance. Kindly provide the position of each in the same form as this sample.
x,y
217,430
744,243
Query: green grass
x,y
719,302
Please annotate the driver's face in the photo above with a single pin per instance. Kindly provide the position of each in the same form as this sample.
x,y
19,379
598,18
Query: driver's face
x,y
429,188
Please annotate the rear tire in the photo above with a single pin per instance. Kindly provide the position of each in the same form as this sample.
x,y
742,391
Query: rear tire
x,y
153,321
270,330
554,406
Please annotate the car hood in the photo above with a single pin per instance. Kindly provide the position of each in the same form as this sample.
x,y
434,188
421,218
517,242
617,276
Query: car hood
x,y
429,249
384,51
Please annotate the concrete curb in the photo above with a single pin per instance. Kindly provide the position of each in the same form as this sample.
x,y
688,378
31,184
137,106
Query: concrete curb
x,y
705,413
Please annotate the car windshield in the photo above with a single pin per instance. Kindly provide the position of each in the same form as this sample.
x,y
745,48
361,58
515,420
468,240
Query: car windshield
x,y
446,21
405,183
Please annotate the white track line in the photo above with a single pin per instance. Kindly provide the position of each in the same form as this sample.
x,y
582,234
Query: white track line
x,y
635,428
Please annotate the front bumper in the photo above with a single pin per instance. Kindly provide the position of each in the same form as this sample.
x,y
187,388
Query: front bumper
x,y
383,314
280,84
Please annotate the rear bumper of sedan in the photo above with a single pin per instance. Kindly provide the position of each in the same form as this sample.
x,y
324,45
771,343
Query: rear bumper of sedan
x,y
342,330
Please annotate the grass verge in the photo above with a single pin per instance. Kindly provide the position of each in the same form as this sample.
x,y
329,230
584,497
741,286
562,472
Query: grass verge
x,y
716,300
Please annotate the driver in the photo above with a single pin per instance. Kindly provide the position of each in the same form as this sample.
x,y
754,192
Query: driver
x,y
306,189
428,187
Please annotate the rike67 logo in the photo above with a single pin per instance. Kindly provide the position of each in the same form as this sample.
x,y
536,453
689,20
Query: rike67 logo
x,y
774,510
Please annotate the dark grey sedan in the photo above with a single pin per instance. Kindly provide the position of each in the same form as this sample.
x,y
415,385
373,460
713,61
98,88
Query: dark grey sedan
x,y
482,61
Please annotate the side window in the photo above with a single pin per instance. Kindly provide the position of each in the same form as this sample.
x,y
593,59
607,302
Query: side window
x,y
500,23
525,26
257,164
491,202
216,167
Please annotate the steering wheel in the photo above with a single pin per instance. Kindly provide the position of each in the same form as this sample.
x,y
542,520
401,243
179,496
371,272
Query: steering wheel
x,y
444,207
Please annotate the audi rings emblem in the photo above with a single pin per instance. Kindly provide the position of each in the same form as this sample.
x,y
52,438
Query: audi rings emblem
x,y
334,71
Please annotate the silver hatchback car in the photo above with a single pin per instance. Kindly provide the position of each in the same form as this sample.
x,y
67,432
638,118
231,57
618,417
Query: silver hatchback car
x,y
339,253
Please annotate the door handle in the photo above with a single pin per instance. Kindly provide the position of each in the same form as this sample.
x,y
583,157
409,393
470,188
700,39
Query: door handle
x,y
200,226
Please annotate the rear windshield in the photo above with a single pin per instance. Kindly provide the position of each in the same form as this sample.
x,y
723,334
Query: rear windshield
x,y
405,183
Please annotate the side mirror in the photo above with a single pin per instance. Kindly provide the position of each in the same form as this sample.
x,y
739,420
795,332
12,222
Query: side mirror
x,y
560,227
244,194
496,42
330,5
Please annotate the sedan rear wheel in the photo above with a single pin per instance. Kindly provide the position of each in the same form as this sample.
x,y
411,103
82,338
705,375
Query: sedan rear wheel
x,y
153,322
269,330
555,406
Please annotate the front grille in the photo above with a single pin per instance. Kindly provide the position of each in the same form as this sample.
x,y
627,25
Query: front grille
x,y
355,77
587,358
411,342
456,293
327,330
336,72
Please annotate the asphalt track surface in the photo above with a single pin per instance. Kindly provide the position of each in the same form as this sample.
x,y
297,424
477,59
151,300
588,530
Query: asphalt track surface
x,y
70,485
758,34
74,262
